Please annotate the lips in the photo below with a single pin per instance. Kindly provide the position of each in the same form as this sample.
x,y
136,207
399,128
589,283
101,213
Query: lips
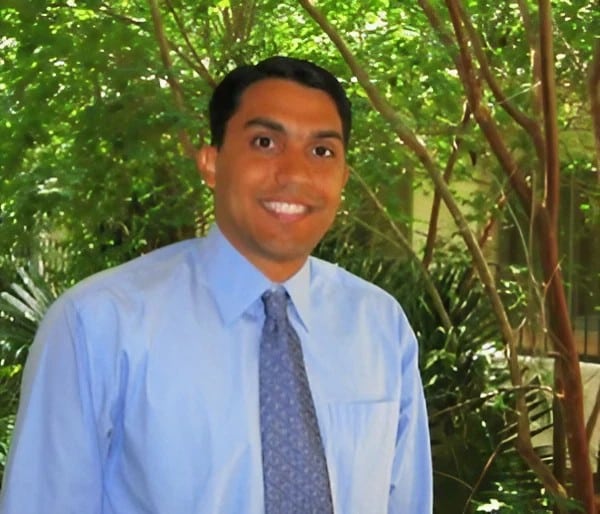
x,y
286,208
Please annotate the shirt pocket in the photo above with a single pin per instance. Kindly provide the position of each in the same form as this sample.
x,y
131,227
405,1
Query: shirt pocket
x,y
359,440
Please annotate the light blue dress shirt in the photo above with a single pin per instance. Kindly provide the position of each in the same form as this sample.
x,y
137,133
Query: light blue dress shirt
x,y
140,394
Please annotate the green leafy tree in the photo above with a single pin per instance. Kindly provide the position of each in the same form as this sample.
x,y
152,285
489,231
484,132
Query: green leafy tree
x,y
105,103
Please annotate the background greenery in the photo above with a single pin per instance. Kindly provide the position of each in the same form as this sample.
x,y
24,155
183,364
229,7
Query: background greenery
x,y
94,171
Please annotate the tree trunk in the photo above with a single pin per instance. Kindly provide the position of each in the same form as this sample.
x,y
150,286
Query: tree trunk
x,y
570,388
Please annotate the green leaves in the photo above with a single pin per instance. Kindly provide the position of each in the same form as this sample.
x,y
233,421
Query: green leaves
x,y
91,167
21,310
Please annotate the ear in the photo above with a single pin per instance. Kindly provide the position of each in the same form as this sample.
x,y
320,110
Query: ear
x,y
206,159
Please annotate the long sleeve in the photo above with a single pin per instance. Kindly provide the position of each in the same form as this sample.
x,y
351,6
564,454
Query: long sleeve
x,y
140,393
54,465
411,485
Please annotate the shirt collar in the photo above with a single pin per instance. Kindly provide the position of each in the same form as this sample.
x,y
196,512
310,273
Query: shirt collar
x,y
236,283
298,287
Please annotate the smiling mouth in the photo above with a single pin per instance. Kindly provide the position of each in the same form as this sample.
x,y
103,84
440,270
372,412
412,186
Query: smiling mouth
x,y
286,208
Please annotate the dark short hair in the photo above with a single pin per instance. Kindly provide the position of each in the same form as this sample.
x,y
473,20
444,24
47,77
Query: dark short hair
x,y
226,96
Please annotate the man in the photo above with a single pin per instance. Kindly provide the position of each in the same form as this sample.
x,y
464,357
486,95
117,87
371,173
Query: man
x,y
150,387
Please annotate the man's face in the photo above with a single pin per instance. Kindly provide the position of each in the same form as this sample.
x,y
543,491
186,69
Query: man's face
x,y
279,174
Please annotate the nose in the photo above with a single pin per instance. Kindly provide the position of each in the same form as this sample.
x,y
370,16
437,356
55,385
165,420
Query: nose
x,y
293,168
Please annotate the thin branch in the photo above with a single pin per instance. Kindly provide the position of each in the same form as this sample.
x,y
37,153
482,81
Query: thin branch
x,y
452,477
107,10
482,115
249,17
192,64
481,112
173,83
594,91
491,223
485,469
195,65
436,24
552,193
429,285
532,41
527,23
436,204
492,394
491,132
534,52
529,124
198,64
590,426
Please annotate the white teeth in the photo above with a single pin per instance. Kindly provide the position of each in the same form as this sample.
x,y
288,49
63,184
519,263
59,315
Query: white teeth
x,y
285,208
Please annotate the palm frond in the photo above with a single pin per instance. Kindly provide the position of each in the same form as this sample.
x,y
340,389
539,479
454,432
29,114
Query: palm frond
x,y
21,310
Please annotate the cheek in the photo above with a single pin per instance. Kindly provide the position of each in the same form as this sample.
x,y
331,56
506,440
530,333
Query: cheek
x,y
244,171
333,190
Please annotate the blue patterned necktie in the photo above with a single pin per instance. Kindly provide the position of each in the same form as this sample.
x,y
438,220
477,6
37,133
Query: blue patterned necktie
x,y
294,467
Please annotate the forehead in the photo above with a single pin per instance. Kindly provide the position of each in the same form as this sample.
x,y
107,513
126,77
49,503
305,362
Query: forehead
x,y
288,102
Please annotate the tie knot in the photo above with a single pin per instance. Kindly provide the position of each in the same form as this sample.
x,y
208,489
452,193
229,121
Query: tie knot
x,y
275,301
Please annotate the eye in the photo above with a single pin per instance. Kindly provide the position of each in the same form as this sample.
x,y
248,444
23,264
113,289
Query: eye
x,y
263,142
322,151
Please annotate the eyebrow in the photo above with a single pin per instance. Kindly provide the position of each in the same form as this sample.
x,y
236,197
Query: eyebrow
x,y
278,127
